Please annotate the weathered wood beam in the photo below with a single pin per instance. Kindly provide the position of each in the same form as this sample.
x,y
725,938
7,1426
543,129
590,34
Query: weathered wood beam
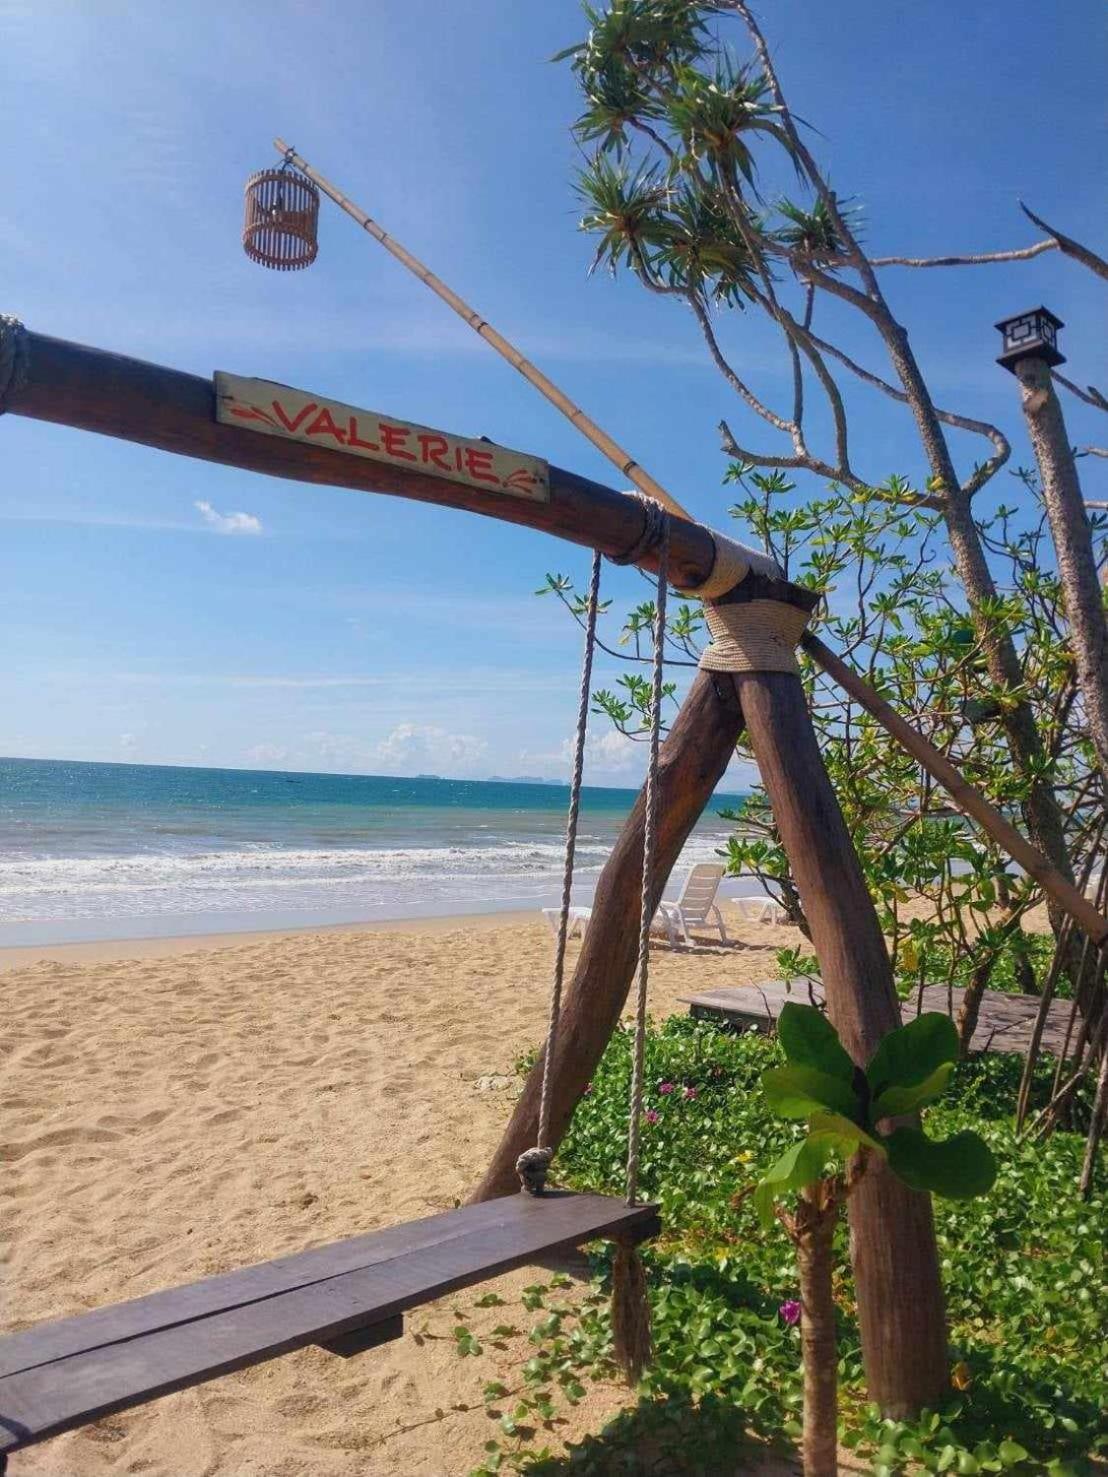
x,y
72,385
692,761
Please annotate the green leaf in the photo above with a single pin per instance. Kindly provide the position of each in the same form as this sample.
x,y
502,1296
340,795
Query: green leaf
x,y
909,1055
1010,1452
959,1168
809,1040
796,1092
845,1132
800,1165
896,1100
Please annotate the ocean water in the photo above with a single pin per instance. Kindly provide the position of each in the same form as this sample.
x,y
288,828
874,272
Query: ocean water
x,y
130,850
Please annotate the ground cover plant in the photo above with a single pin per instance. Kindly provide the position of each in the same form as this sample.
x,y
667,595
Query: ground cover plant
x,y
1025,1272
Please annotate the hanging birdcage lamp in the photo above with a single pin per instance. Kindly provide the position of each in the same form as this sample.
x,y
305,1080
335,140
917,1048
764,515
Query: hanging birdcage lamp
x,y
281,221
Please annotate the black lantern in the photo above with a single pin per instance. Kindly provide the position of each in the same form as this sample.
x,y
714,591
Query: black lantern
x,y
1031,335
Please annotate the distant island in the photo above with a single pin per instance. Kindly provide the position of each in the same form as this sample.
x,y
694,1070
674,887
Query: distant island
x,y
521,779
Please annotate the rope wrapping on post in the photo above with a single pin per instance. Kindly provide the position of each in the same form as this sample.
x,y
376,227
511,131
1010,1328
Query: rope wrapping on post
x,y
732,563
13,357
653,531
753,636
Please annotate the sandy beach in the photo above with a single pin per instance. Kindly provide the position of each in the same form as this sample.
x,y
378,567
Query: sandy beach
x,y
178,1108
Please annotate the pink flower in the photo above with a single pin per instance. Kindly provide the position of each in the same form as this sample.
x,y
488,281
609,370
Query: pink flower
x,y
665,1088
690,1093
651,1116
790,1312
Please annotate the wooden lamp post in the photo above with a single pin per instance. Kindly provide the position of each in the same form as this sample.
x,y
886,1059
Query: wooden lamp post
x,y
1030,353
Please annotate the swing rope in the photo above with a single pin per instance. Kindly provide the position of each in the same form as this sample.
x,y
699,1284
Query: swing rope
x,y
631,1332
538,1159
646,902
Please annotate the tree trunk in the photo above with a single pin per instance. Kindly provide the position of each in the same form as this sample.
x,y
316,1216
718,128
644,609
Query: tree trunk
x,y
1073,544
896,1265
815,1233
1042,813
691,765
1096,1127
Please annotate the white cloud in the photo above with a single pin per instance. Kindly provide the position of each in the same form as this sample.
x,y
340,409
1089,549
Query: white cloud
x,y
424,746
267,755
608,755
228,522
614,750
128,742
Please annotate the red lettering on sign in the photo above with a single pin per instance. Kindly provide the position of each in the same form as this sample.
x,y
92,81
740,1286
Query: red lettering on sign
x,y
252,413
458,458
393,438
279,412
479,466
432,449
353,439
324,425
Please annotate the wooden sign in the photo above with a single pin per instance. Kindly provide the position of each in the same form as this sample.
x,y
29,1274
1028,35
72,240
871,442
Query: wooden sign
x,y
277,410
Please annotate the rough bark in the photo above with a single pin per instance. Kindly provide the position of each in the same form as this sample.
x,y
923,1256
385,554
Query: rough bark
x,y
1096,1129
893,1251
814,1235
692,761
1042,813
1073,544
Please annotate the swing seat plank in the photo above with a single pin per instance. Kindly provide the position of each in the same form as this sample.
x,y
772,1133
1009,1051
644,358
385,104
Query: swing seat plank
x,y
345,1297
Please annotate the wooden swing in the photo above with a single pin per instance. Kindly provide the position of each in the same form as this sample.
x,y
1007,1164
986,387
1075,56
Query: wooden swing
x,y
351,1296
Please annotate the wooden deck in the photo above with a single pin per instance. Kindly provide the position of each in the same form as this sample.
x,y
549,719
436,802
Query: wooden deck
x,y
345,1298
1005,1022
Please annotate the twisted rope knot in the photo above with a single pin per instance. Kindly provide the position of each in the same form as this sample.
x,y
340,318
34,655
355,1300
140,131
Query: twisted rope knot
x,y
655,523
532,1166
13,357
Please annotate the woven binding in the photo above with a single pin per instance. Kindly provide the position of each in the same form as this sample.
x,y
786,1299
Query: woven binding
x,y
732,563
755,636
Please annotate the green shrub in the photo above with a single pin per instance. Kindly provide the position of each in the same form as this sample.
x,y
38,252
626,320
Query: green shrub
x,y
1024,1269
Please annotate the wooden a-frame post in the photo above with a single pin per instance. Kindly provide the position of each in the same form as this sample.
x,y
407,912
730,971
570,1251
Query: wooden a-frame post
x,y
899,1288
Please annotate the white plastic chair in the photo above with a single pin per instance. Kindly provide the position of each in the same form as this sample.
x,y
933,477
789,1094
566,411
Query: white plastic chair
x,y
696,907
760,910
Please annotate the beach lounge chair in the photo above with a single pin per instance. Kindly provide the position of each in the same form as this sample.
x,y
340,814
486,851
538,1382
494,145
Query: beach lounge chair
x,y
760,910
696,907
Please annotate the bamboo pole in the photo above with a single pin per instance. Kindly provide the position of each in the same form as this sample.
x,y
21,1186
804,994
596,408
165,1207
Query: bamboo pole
x,y
1065,894
615,453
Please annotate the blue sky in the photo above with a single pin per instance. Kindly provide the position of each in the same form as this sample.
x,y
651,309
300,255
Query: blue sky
x,y
344,632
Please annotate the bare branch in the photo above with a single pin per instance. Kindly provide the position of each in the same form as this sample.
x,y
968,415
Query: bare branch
x,y
1003,449
1070,247
978,259
802,462
739,386
1090,394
